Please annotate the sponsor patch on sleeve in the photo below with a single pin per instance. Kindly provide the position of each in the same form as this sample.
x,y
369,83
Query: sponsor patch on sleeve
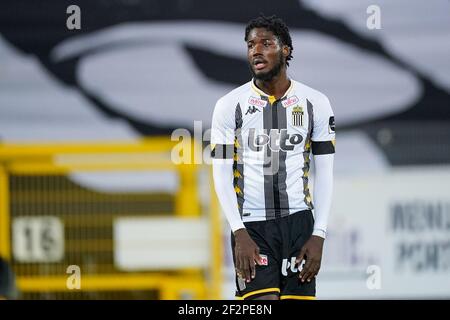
x,y
331,126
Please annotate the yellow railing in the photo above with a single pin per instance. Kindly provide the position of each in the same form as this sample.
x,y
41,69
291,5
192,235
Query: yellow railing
x,y
57,159
4,215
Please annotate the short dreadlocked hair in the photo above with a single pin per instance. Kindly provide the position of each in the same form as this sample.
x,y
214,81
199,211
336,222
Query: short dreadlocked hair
x,y
277,26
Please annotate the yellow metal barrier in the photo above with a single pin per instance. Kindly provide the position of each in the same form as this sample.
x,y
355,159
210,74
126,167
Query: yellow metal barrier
x,y
33,178
170,287
4,215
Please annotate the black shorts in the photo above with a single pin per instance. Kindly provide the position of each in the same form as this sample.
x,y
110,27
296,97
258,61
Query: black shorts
x,y
279,241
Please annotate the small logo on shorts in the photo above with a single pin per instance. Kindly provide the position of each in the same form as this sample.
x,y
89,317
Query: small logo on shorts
x,y
241,283
264,260
288,265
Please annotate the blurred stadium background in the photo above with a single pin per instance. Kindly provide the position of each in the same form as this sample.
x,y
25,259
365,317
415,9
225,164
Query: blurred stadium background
x,y
86,117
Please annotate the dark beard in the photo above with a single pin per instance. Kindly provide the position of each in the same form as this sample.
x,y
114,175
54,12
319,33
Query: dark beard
x,y
269,75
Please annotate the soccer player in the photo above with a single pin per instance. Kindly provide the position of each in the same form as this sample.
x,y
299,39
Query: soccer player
x,y
262,135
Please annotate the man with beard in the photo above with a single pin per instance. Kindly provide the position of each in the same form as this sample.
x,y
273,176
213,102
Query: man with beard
x,y
262,135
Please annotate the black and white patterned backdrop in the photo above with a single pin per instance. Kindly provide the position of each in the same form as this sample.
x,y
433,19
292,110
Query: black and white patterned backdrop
x,y
146,67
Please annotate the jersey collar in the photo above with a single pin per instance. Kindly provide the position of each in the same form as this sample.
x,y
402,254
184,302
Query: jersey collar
x,y
269,97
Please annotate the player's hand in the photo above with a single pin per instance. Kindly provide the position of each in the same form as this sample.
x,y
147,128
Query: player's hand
x,y
311,252
246,254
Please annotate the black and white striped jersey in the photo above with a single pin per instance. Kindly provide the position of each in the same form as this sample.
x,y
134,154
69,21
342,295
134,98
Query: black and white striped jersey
x,y
270,142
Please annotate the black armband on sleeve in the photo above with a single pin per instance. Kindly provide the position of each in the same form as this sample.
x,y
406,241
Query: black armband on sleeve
x,y
323,147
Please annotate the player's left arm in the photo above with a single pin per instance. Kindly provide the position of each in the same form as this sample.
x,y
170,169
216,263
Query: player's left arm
x,y
323,149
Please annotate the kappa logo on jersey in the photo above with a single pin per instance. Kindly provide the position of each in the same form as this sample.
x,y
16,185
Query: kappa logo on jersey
x,y
251,110
288,265
264,260
276,140
297,116
290,101
257,102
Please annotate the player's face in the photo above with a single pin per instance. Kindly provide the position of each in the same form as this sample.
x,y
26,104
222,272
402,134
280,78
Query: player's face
x,y
265,54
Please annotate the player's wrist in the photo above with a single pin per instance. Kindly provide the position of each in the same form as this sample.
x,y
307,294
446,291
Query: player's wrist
x,y
239,232
319,233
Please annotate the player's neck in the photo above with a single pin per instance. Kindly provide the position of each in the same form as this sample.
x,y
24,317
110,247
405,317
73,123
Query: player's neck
x,y
276,87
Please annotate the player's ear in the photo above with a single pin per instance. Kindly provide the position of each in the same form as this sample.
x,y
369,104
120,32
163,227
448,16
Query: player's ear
x,y
286,50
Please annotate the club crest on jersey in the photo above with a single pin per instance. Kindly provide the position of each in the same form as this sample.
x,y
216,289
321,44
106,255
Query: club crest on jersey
x,y
290,101
257,102
297,116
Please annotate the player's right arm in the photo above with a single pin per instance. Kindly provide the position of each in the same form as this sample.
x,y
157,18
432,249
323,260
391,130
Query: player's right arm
x,y
222,141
